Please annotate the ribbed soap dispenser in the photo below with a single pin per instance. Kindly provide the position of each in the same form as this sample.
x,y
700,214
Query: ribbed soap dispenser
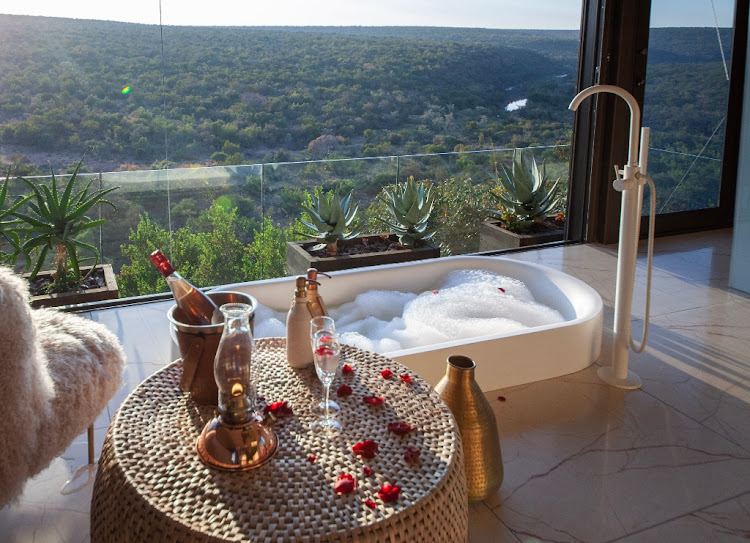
x,y
298,347
317,307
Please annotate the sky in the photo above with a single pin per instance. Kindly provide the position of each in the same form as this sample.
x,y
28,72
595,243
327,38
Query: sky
x,y
537,14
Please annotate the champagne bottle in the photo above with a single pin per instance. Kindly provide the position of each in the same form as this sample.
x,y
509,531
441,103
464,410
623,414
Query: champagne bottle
x,y
196,307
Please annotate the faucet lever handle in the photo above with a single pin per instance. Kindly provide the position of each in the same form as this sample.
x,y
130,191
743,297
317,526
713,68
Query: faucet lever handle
x,y
622,183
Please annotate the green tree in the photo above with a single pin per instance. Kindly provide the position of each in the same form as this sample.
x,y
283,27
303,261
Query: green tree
x,y
140,277
265,257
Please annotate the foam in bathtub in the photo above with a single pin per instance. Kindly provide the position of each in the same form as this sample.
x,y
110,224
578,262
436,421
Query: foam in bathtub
x,y
466,304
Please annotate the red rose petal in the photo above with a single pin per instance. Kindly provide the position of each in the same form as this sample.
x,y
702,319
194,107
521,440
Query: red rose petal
x,y
365,449
501,289
411,454
345,484
343,390
434,291
312,458
347,370
501,398
324,351
405,377
279,409
400,428
386,373
371,504
389,493
373,400
368,472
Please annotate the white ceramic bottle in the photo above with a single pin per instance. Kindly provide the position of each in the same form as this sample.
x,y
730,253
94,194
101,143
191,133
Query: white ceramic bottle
x,y
298,347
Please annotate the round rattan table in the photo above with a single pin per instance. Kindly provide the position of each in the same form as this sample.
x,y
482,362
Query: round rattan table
x,y
151,485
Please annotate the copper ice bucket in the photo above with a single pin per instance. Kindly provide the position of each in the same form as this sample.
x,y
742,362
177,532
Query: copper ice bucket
x,y
198,344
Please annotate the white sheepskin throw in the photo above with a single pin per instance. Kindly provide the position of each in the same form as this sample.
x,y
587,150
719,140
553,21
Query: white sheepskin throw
x,y
57,373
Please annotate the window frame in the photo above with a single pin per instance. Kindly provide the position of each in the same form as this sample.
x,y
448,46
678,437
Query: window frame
x,y
614,51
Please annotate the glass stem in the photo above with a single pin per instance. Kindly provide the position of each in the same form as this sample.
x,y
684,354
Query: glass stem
x,y
328,389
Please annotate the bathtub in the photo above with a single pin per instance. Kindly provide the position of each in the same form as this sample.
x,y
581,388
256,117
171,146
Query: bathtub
x,y
503,360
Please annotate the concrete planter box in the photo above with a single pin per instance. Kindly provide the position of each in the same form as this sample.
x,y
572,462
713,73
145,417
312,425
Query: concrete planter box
x,y
298,259
109,291
493,237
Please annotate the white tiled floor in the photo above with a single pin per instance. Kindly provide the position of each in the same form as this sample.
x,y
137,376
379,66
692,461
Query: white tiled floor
x,y
583,461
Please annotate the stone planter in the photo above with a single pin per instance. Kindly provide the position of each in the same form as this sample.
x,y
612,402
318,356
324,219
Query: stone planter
x,y
493,237
109,291
298,259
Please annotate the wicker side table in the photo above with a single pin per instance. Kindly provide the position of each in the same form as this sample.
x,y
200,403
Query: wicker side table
x,y
151,486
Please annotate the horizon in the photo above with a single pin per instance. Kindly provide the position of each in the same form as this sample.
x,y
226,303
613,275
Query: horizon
x,y
474,14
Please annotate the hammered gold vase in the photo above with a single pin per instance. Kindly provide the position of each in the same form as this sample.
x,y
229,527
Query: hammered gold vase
x,y
476,422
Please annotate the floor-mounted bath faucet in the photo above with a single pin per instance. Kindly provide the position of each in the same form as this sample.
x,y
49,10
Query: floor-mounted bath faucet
x,y
630,182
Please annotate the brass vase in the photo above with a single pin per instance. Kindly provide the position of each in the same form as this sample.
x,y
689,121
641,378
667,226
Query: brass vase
x,y
476,422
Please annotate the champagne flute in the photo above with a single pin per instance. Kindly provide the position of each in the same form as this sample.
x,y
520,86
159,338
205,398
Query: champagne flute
x,y
327,354
322,324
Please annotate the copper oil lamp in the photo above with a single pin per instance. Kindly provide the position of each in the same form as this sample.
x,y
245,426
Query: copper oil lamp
x,y
237,439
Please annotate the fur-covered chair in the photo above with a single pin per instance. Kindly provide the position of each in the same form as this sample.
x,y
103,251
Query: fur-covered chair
x,y
57,373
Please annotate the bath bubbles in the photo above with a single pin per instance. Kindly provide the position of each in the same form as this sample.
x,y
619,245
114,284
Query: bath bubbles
x,y
465,304
269,323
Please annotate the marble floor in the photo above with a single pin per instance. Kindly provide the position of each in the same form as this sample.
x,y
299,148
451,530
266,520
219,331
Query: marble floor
x,y
583,461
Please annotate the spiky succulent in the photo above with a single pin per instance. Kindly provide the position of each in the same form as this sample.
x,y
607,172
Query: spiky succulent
x,y
410,205
524,192
330,218
57,219
9,226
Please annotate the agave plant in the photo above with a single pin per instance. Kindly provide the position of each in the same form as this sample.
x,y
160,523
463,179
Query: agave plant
x,y
9,226
525,193
330,218
57,219
410,205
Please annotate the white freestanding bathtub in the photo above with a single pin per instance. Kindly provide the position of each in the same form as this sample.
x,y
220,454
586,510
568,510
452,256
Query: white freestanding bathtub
x,y
504,359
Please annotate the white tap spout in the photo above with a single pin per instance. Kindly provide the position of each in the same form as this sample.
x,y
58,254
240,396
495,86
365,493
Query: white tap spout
x,y
635,114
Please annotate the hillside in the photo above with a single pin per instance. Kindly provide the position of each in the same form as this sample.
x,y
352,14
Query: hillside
x,y
229,95
268,89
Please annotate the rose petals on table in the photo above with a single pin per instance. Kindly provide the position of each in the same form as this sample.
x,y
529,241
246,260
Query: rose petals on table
x,y
400,428
373,400
368,472
405,377
347,370
279,409
501,398
501,289
411,454
311,458
389,493
371,504
343,390
345,484
386,373
365,449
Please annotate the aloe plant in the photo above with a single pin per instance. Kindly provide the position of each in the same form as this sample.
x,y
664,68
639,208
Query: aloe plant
x,y
9,226
57,219
524,192
410,205
330,218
